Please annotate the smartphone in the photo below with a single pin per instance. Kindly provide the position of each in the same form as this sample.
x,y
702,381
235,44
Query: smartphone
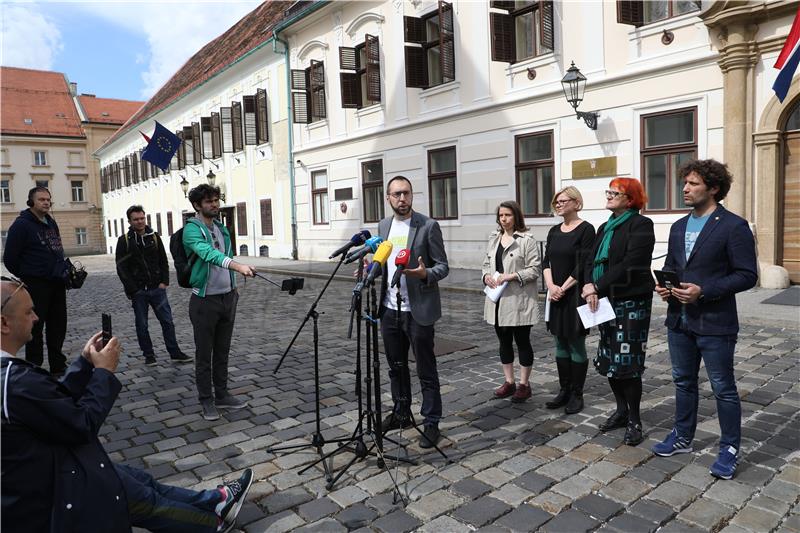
x,y
667,279
106,329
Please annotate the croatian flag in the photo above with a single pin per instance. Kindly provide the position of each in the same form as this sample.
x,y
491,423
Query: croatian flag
x,y
788,60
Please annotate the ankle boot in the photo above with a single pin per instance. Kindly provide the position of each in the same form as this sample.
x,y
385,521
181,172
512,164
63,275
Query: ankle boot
x,y
578,378
562,365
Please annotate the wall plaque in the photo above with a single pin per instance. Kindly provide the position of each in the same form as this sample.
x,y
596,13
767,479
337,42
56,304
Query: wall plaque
x,y
594,168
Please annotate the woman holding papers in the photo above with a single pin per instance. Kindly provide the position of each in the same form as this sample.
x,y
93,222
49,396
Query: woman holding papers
x,y
618,268
510,268
568,246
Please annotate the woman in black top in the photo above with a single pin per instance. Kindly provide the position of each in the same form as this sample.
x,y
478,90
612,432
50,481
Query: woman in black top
x,y
568,245
619,268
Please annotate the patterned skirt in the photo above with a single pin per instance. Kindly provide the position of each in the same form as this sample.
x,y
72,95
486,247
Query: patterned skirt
x,y
623,341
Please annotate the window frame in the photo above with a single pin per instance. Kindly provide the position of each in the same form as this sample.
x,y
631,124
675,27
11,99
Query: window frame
x,y
319,192
44,158
5,192
441,176
308,94
631,12
365,186
538,164
81,189
267,222
666,150
416,57
351,80
544,37
84,233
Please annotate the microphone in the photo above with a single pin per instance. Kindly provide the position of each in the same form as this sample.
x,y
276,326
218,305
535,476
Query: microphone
x,y
369,247
379,261
355,240
401,262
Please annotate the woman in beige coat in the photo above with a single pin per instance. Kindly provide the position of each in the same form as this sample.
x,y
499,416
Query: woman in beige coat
x,y
512,256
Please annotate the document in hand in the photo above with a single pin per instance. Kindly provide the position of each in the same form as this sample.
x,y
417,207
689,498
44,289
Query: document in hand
x,y
603,314
494,294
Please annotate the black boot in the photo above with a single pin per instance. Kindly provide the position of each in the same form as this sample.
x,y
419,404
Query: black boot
x,y
562,364
578,378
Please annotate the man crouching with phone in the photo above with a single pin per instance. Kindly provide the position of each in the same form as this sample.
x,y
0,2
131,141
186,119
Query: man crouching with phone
x,y
56,474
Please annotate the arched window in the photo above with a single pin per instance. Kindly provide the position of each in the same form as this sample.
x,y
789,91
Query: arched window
x,y
793,122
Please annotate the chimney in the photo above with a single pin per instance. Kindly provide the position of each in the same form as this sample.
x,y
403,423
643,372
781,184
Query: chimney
x,y
73,88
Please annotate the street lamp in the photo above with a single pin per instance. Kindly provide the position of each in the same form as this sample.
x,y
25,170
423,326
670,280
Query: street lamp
x,y
184,186
574,84
212,179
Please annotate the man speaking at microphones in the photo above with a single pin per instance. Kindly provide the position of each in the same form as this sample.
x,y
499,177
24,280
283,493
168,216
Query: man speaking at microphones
x,y
420,308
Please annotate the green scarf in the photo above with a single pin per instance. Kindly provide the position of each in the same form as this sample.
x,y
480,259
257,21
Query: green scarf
x,y
601,258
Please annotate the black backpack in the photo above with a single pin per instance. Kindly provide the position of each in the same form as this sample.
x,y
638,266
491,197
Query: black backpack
x,y
183,264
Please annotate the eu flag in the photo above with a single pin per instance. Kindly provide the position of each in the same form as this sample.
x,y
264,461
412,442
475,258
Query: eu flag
x,y
161,147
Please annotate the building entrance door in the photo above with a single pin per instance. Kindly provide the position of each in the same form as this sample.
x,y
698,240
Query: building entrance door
x,y
790,241
226,216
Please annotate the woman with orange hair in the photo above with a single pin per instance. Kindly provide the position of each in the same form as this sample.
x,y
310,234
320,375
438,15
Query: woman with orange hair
x,y
619,268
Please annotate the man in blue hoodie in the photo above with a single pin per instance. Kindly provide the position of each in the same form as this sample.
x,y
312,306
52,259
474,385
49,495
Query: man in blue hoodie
x,y
34,253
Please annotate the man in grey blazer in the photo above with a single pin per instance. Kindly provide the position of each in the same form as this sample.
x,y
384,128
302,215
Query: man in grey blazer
x,y
420,308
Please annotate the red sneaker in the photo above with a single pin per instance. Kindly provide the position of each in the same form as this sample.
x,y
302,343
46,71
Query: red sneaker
x,y
522,393
505,390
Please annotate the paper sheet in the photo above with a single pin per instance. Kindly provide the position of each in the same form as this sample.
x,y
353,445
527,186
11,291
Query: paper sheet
x,y
603,314
494,294
547,306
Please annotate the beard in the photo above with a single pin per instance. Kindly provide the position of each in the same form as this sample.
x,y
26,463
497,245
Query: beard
x,y
401,211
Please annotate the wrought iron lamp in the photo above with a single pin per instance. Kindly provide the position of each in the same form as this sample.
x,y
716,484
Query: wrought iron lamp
x,y
184,186
212,180
574,85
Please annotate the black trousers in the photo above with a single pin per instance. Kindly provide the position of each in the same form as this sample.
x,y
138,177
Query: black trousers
x,y
212,320
396,341
50,303
507,335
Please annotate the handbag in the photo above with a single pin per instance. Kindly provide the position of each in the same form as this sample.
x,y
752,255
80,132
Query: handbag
x,y
75,274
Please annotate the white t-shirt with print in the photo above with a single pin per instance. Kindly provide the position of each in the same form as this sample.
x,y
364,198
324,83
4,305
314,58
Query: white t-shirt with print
x,y
398,236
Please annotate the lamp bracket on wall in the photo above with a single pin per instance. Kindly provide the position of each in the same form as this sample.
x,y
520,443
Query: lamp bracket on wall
x,y
589,117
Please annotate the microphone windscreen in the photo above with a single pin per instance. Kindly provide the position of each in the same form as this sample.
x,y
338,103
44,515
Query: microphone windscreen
x,y
364,234
374,242
383,253
402,257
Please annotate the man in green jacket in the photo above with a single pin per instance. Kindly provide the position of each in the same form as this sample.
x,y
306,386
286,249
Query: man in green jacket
x,y
212,307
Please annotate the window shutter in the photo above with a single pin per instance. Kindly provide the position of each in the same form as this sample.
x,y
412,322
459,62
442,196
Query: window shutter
x,y
508,5
241,218
416,70
351,90
216,136
127,170
348,58
236,124
300,108
546,24
143,167
317,81
158,223
414,30
447,57
205,129
630,12
373,52
135,166
181,151
266,217
226,129
197,143
169,223
250,133
299,82
104,186
262,116
188,142
502,29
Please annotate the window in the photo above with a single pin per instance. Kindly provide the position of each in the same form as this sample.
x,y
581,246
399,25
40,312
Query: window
x,y
667,140
169,223
216,136
526,30
430,59
372,187
77,191
249,104
308,93
442,183
39,158
109,228
188,146
5,191
266,217
241,218
208,144
81,236
319,196
158,223
640,12
226,114
122,225
535,173
4,160
116,234
75,159
362,85
42,182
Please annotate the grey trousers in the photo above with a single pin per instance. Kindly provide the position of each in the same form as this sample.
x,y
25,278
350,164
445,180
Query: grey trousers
x,y
212,320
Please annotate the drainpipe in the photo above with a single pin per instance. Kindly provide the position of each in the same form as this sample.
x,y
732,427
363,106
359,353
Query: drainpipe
x,y
285,44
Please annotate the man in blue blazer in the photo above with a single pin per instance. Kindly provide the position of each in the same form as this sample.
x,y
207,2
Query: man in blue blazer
x,y
713,253
420,308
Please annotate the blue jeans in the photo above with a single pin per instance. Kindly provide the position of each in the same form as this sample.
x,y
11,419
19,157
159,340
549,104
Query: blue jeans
x,y
157,299
168,509
686,351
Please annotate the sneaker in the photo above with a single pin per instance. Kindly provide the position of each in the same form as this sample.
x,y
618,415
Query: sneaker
x,y
672,444
209,410
181,357
235,493
616,420
430,437
522,393
150,360
633,434
725,465
230,402
393,421
505,390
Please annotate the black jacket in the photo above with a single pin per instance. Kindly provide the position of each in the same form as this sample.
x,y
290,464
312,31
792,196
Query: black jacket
x,y
33,249
141,261
56,477
629,256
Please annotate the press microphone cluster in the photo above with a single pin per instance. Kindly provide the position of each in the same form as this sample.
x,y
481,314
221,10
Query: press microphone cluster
x,y
401,262
379,261
359,238
370,247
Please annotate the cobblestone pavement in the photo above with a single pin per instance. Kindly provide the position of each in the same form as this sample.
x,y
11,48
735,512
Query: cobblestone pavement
x,y
517,467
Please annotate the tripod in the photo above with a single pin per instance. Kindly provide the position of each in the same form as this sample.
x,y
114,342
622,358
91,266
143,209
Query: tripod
x,y
317,440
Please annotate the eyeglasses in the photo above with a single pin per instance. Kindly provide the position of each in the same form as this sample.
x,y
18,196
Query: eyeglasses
x,y
562,202
400,194
20,286
614,194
